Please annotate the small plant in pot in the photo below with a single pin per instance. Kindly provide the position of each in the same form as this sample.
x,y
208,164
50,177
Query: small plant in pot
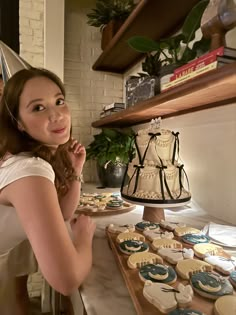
x,y
112,149
109,15
164,55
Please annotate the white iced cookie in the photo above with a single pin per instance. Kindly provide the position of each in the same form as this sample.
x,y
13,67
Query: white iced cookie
x,y
165,297
152,235
200,250
225,305
173,255
165,243
180,231
185,268
220,263
171,225
116,228
129,236
138,260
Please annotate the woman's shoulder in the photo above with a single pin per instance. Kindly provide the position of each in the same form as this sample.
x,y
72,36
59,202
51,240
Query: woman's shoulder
x,y
23,159
22,165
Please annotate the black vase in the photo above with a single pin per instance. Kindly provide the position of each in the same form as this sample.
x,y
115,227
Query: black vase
x,y
111,176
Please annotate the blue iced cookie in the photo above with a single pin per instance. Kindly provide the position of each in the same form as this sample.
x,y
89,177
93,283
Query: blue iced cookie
x,y
133,246
232,278
193,239
210,285
140,226
157,273
185,312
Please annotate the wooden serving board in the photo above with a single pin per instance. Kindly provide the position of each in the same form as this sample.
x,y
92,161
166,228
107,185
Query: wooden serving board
x,y
106,211
135,284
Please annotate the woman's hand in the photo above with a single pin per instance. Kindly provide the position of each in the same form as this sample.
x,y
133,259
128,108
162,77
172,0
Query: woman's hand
x,y
83,229
77,154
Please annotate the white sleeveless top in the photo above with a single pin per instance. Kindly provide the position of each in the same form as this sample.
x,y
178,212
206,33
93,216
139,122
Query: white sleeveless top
x,y
16,167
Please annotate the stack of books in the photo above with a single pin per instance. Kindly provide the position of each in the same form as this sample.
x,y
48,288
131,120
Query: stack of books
x,y
207,62
111,109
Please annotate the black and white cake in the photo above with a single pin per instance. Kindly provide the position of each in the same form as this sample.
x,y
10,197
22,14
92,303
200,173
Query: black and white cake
x,y
155,176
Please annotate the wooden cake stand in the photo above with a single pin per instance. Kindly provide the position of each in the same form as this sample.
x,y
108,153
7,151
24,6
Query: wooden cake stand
x,y
153,214
156,213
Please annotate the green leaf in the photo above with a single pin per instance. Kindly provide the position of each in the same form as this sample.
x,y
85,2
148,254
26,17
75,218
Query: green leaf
x,y
143,44
193,20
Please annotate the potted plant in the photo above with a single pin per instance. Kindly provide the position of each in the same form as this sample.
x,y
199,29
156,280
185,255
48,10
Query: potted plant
x,y
109,15
112,149
164,55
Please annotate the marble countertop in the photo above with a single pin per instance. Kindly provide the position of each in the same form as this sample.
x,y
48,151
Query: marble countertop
x,y
104,291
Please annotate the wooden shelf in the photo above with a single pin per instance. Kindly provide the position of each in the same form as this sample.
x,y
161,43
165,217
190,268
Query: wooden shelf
x,y
215,88
152,18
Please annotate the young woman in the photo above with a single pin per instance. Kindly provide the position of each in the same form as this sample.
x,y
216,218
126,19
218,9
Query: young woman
x,y
40,172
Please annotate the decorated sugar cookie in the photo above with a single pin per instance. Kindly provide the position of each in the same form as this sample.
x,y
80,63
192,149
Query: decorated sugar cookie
x,y
173,255
185,268
220,263
171,225
232,278
129,236
165,243
114,203
140,226
131,246
200,250
165,297
180,231
137,260
193,239
225,305
152,235
210,285
185,312
158,273
116,228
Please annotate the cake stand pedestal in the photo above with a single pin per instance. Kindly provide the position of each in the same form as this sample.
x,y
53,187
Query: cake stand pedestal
x,y
153,214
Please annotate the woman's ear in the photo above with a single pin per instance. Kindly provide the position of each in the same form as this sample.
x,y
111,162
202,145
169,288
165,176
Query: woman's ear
x,y
20,126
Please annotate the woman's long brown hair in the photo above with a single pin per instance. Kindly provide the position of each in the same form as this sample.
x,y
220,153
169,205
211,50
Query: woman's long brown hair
x,y
14,141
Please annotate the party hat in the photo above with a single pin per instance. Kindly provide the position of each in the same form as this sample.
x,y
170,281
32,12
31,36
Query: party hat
x,y
10,62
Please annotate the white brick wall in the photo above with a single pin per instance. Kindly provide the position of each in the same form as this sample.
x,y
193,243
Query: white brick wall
x,y
87,90
31,15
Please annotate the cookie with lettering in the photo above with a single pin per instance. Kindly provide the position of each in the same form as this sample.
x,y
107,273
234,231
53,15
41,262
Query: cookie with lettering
x,y
225,305
132,246
141,226
200,250
193,239
165,243
210,285
185,268
180,231
232,278
116,228
221,264
165,298
152,235
129,236
158,273
186,312
171,225
137,260
173,255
